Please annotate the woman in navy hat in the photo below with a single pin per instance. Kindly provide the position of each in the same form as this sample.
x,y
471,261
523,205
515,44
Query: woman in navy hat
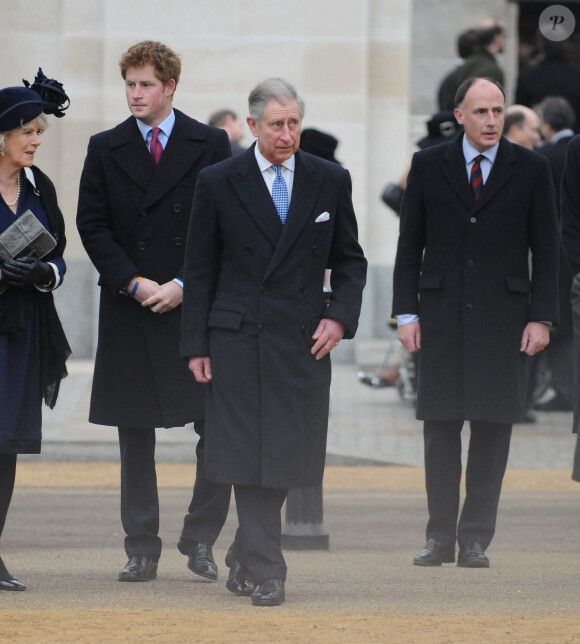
x,y
33,347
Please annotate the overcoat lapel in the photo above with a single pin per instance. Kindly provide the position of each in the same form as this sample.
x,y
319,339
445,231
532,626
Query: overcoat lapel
x,y
456,175
182,151
249,185
501,172
305,190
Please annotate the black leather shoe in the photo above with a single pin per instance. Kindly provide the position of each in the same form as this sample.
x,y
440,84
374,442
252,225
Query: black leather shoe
x,y
471,555
139,568
238,581
434,554
269,593
200,558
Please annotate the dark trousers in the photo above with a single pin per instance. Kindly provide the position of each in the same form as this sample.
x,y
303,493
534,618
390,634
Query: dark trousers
x,y
486,464
257,543
140,502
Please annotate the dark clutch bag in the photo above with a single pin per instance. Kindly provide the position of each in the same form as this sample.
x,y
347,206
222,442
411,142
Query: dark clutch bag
x,y
24,235
393,196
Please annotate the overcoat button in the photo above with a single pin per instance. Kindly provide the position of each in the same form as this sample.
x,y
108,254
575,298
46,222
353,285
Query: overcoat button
x,y
177,207
469,307
315,250
303,288
178,241
141,245
261,328
143,213
473,220
303,328
248,250
470,263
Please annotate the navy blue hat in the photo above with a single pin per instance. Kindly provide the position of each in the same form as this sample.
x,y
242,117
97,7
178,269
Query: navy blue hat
x,y
19,105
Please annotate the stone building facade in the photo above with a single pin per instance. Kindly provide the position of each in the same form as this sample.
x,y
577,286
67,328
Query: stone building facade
x,y
367,69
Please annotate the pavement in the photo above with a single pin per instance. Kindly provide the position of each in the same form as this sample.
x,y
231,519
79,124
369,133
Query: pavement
x,y
375,520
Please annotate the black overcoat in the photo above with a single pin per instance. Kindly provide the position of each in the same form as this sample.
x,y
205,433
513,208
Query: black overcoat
x,y
253,298
570,223
133,217
464,267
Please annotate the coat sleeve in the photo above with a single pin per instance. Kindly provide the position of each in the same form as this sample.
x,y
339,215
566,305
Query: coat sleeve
x,y
95,224
570,206
410,245
544,245
200,270
347,263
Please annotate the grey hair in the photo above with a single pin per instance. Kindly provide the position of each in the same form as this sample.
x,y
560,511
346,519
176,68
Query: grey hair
x,y
40,119
272,89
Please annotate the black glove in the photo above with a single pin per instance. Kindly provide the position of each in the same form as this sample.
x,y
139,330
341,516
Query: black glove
x,y
26,270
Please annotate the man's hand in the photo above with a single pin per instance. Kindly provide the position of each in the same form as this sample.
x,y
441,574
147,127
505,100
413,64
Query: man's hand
x,y
327,336
536,336
201,369
164,299
410,336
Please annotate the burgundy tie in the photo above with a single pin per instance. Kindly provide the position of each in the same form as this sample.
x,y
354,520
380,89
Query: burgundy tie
x,y
476,179
155,145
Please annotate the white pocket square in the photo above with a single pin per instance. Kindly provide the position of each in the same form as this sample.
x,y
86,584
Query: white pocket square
x,y
325,216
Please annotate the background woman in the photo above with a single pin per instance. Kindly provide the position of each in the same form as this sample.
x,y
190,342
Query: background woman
x,y
33,347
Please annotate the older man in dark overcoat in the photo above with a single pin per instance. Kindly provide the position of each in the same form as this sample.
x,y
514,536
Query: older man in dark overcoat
x,y
134,205
475,211
257,324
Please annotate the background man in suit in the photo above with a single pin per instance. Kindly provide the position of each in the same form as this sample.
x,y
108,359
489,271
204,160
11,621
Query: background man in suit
x,y
135,199
464,299
522,126
229,121
557,127
570,223
256,322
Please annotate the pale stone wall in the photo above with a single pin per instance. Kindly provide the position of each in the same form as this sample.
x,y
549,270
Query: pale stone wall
x,y
363,67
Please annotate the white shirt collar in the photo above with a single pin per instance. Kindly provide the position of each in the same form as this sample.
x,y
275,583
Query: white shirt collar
x,y
30,176
264,164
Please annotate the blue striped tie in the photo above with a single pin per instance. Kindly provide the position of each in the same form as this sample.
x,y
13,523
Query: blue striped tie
x,y
280,194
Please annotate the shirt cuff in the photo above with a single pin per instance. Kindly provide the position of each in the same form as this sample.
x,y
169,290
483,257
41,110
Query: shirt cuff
x,y
406,318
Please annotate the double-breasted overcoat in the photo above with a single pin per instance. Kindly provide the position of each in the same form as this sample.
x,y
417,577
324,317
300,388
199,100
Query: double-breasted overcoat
x,y
476,272
253,297
133,217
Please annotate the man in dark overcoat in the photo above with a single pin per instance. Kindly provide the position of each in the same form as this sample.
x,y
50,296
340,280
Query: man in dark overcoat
x,y
466,299
134,205
256,322
570,223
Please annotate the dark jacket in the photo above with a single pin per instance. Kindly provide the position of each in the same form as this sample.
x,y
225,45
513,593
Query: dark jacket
x,y
133,217
570,231
462,266
481,64
253,298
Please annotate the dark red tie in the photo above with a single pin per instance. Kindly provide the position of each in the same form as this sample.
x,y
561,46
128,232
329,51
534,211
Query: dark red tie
x,y
155,145
475,178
